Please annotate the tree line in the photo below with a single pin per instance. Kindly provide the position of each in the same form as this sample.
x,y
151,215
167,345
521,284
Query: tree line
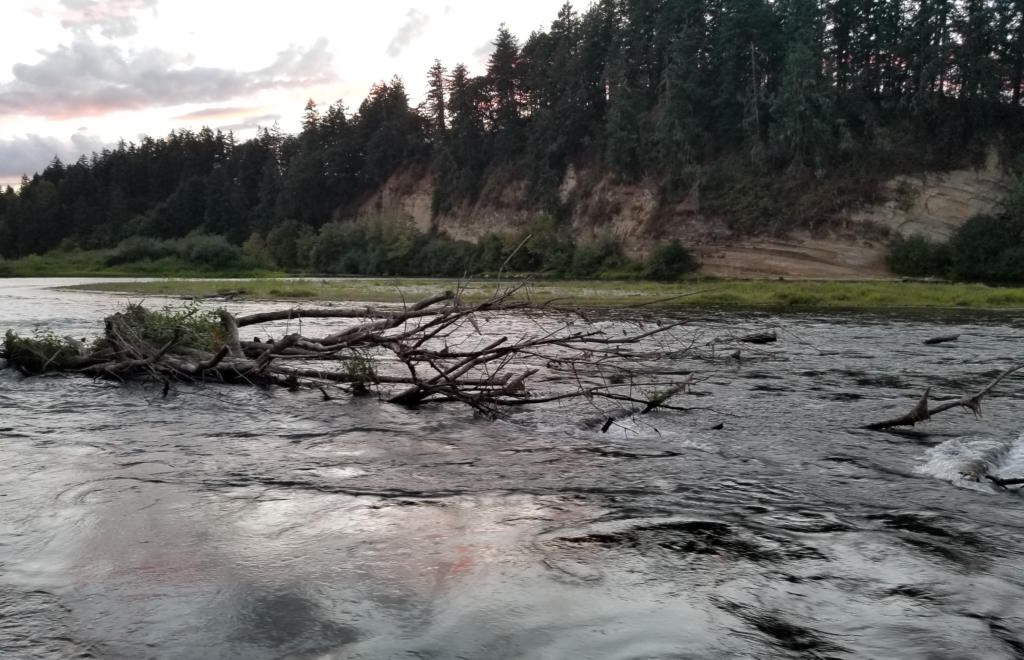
x,y
689,95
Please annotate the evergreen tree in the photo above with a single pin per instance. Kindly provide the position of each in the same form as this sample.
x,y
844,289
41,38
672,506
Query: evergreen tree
x,y
436,98
504,85
682,131
668,90
801,105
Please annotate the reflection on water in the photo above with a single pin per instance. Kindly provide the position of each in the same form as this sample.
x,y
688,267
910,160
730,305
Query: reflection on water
x,y
226,523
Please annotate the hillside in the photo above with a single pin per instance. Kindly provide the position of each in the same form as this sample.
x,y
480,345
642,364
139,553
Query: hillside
x,y
795,138
854,243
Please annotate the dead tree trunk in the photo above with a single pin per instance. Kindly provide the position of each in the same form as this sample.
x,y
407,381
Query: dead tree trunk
x,y
435,350
922,412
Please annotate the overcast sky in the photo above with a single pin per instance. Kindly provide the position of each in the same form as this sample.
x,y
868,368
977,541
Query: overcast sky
x,y
76,75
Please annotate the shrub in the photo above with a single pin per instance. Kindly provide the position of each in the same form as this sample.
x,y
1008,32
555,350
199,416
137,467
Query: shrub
x,y
209,251
285,243
140,248
257,251
977,246
197,328
549,248
328,251
916,256
593,258
490,253
667,261
43,352
1010,266
441,256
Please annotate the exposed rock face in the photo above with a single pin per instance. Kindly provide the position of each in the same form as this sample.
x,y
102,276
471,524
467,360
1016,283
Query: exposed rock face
x,y
407,194
936,203
932,204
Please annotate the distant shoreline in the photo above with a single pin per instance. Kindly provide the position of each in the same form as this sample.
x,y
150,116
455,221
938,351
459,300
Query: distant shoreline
x,y
754,294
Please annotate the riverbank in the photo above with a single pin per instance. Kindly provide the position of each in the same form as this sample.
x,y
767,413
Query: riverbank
x,y
94,263
880,294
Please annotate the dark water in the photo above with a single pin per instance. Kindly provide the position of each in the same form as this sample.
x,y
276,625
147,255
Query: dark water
x,y
231,523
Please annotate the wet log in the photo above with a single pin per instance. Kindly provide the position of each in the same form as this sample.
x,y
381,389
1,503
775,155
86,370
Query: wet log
x,y
231,334
922,412
760,338
941,339
437,340
212,363
1004,482
658,400
419,309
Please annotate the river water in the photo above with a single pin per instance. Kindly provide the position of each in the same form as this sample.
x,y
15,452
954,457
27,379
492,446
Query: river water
x,y
232,523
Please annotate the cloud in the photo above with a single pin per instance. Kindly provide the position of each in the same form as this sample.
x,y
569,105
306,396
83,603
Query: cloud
x,y
251,123
484,50
87,78
31,153
241,118
215,113
414,26
113,18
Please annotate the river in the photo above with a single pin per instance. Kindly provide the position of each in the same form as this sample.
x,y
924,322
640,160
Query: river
x,y
235,523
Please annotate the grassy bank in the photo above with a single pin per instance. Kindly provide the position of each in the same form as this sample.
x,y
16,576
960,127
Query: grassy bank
x,y
94,263
738,293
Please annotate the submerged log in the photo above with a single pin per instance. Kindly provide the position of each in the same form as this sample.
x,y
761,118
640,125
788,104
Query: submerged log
x,y
922,412
760,338
941,339
1004,482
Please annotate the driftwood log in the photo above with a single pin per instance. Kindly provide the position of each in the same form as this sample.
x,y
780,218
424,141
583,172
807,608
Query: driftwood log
x,y
1003,483
760,338
922,412
941,339
436,350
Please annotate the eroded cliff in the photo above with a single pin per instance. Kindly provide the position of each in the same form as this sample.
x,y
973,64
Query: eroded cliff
x,y
852,244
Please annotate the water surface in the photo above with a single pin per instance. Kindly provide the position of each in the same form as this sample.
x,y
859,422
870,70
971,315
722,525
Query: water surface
x,y
237,523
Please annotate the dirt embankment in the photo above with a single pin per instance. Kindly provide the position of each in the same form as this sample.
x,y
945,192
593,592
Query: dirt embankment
x,y
932,204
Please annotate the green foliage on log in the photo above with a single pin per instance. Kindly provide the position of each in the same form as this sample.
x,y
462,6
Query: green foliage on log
x,y
40,353
190,325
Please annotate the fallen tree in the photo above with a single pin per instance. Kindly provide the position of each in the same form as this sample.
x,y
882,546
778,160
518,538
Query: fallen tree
x,y
439,349
922,412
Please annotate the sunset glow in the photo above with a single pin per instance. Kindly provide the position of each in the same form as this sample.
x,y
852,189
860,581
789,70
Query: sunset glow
x,y
82,74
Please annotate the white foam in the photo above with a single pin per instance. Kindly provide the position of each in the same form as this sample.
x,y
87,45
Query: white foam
x,y
966,462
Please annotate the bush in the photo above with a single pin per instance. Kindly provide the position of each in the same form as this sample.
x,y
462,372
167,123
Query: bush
x,y
210,251
140,248
986,248
549,249
594,258
976,248
257,251
40,353
286,242
440,256
197,328
1011,264
667,261
490,253
328,251
916,256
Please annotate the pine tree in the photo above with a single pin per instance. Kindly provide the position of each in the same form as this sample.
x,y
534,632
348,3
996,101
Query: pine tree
x,y
682,123
467,144
801,105
504,85
436,98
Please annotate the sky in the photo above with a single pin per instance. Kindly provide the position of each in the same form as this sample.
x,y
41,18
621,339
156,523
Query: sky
x,y
79,75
